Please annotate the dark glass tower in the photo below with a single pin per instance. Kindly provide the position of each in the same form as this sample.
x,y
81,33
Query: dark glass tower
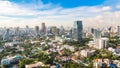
x,y
77,30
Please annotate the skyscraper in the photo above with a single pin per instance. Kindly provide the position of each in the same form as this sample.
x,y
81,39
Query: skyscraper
x,y
118,29
43,29
6,36
62,30
37,30
17,31
97,33
53,29
92,30
27,30
77,30
111,33
70,33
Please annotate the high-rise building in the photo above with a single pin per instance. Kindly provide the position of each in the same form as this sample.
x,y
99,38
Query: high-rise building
x,y
105,32
118,29
43,29
17,31
27,30
70,33
53,30
77,30
92,30
101,43
48,30
37,31
97,33
111,33
62,30
58,31
6,36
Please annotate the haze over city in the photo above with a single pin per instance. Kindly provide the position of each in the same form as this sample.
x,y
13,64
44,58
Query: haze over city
x,y
33,12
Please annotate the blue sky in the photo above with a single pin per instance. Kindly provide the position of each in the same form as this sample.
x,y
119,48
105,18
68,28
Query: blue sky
x,y
64,3
59,12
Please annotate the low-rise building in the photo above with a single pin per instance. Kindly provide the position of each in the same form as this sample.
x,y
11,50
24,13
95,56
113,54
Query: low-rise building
x,y
87,52
11,44
11,60
38,64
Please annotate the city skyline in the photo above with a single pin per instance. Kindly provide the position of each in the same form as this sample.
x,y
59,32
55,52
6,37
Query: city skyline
x,y
59,33
24,12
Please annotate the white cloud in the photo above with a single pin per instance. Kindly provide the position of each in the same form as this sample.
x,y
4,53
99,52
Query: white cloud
x,y
91,16
9,8
118,6
104,19
106,8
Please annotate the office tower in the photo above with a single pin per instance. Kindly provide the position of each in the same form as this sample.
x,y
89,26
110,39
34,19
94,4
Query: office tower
x,y
105,33
27,30
70,33
17,31
6,36
111,33
97,33
118,30
53,29
37,30
92,30
43,29
77,30
48,30
62,30
58,31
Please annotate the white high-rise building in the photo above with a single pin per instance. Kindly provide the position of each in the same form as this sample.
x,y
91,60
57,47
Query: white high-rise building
x,y
101,43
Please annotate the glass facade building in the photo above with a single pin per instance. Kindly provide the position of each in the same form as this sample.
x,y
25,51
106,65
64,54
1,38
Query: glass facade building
x,y
77,30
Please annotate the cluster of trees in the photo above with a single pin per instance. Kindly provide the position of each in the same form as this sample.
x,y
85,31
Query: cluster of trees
x,y
67,52
71,64
40,56
83,42
102,54
114,42
25,61
45,47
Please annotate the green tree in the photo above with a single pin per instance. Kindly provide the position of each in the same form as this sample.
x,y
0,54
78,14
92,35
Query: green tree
x,y
25,61
90,65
